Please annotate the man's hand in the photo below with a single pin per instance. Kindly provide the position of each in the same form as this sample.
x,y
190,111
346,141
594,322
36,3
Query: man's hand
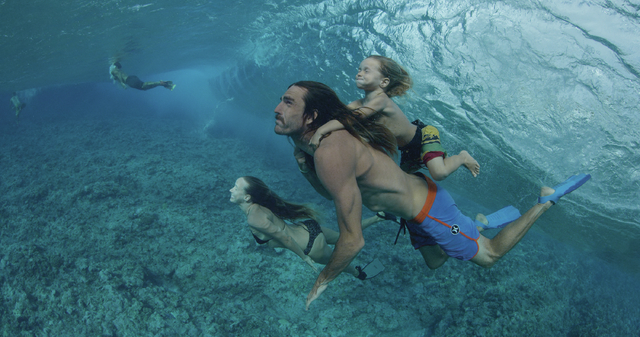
x,y
315,293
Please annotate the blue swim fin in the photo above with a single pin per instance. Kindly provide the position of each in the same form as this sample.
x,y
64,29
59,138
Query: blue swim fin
x,y
566,187
500,218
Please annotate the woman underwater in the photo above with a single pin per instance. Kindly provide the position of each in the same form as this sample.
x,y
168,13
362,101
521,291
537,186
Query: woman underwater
x,y
266,214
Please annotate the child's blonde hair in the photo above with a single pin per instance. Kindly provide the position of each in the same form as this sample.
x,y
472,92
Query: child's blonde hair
x,y
399,80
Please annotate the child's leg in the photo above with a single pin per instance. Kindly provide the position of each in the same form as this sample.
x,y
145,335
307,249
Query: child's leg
x,y
440,168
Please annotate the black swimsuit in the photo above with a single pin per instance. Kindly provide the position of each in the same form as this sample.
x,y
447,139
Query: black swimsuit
x,y
410,153
260,241
314,229
312,226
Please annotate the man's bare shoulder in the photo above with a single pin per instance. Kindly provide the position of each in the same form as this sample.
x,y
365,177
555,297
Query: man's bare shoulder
x,y
338,141
355,104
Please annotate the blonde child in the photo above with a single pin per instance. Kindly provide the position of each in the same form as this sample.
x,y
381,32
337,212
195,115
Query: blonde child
x,y
382,78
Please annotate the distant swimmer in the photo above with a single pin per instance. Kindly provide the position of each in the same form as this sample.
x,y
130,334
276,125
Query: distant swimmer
x,y
382,78
302,234
17,105
133,81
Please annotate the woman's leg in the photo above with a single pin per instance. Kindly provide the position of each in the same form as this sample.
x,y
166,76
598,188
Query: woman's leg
x,y
321,253
330,235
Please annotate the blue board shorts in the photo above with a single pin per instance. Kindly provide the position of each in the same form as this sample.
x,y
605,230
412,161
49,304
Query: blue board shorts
x,y
440,222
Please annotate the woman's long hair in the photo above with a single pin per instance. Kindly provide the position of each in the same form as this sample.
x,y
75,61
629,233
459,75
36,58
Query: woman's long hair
x,y
262,195
322,100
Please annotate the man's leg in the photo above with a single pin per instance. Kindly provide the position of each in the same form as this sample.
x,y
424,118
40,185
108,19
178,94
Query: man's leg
x,y
491,250
434,256
151,85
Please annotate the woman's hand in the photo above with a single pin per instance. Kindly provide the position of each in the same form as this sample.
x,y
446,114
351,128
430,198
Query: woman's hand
x,y
310,262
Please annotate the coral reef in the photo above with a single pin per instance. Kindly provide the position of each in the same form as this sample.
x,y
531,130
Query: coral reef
x,y
114,227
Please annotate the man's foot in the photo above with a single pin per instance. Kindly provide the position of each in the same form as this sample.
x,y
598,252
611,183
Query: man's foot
x,y
497,219
544,192
482,219
470,163
168,84
548,194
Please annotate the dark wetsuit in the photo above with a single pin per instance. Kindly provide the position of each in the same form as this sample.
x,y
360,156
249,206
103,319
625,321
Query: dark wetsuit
x,y
134,82
259,240
312,226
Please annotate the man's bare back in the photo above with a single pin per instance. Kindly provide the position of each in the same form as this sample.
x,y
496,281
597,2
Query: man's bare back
x,y
382,184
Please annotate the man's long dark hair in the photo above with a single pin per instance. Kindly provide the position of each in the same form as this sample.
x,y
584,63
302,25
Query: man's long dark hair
x,y
322,100
262,195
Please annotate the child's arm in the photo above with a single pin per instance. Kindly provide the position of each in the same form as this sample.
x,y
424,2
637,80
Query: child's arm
x,y
374,106
328,127
440,168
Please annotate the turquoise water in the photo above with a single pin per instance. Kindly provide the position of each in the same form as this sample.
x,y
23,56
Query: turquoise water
x,y
114,208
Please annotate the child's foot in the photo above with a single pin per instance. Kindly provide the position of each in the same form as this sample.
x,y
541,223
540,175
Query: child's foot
x,y
470,163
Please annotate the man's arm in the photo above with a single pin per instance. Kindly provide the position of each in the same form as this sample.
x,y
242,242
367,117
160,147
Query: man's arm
x,y
336,169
